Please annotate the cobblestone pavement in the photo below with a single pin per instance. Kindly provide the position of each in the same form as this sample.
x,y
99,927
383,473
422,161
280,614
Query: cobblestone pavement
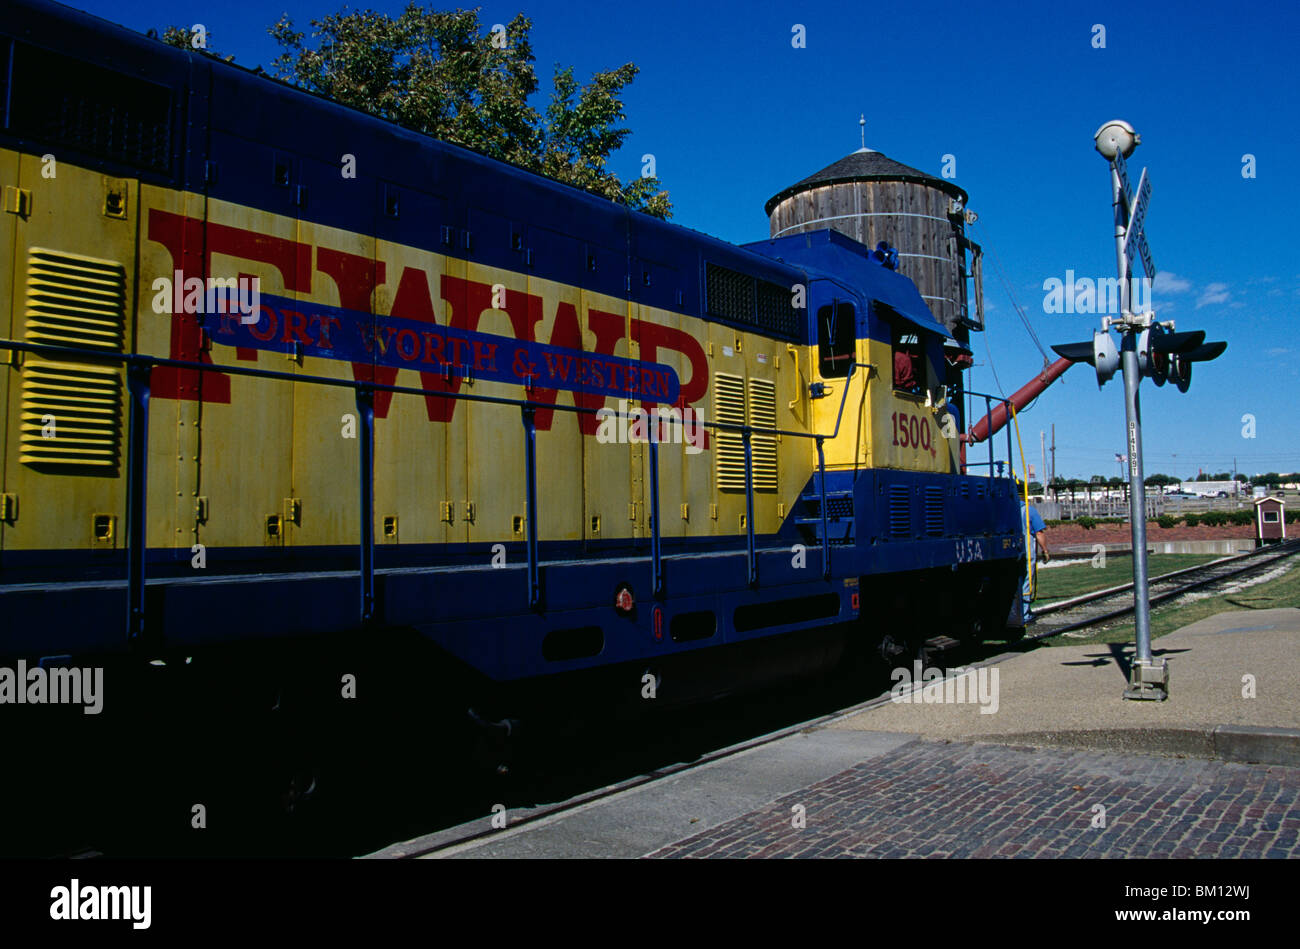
x,y
962,799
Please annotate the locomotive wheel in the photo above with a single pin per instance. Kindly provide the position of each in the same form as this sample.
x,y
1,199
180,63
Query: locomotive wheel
x,y
893,651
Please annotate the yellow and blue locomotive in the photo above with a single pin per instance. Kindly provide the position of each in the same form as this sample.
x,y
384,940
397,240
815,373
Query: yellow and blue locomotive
x,y
248,400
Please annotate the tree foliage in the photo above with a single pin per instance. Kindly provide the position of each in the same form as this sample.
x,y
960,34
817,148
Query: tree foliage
x,y
442,74
182,37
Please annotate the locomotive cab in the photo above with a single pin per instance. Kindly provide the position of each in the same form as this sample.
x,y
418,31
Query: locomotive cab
x,y
879,378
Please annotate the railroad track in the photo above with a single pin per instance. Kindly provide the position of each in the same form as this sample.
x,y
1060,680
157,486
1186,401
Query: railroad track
x,y
1114,602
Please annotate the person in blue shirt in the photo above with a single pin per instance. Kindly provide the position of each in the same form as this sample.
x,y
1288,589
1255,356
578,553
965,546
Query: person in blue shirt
x,y
1037,531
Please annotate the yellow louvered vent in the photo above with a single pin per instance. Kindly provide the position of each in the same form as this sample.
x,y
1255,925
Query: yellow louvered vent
x,y
75,301
762,414
729,409
72,412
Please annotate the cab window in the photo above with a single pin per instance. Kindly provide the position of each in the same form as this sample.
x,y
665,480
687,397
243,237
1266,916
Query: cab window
x,y
909,360
837,338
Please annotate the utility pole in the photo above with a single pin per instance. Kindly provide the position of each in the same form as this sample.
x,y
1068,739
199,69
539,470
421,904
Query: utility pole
x,y
1053,451
1042,450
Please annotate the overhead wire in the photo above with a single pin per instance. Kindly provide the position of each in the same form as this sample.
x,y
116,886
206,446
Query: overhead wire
x,y
1015,304
1020,312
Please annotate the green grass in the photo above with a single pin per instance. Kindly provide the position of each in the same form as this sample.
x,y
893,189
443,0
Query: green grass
x,y
1061,583
1283,591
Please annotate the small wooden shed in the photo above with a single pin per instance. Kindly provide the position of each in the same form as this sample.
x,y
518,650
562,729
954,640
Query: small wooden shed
x,y
1270,520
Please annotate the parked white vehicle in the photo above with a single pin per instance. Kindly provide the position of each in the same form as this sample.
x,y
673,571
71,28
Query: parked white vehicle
x,y
1211,489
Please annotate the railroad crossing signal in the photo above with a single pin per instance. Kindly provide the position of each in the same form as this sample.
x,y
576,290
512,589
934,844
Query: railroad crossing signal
x,y
1135,238
1146,348
1101,354
1164,355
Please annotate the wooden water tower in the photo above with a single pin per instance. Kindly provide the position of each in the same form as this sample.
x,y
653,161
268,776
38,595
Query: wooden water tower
x,y
871,198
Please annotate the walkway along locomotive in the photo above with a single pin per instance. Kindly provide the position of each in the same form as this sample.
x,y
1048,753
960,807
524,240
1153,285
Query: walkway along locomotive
x,y
411,435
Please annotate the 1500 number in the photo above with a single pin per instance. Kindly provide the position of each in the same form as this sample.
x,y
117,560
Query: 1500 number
x,y
912,431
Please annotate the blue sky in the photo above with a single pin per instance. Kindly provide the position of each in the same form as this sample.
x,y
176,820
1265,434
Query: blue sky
x,y
733,113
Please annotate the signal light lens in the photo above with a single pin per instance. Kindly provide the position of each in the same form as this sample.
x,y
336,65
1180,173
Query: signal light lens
x,y
1159,366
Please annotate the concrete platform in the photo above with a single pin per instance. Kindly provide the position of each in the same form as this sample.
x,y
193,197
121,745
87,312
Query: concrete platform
x,y
1071,695
1059,715
655,815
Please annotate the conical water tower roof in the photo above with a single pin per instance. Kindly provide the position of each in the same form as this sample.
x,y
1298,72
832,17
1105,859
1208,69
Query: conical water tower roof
x,y
865,165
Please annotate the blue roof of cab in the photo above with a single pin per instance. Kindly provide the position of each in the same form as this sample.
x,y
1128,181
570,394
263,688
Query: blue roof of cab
x,y
829,253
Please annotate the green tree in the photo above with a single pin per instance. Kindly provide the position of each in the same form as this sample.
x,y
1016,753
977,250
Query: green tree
x,y
182,37
178,36
441,74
